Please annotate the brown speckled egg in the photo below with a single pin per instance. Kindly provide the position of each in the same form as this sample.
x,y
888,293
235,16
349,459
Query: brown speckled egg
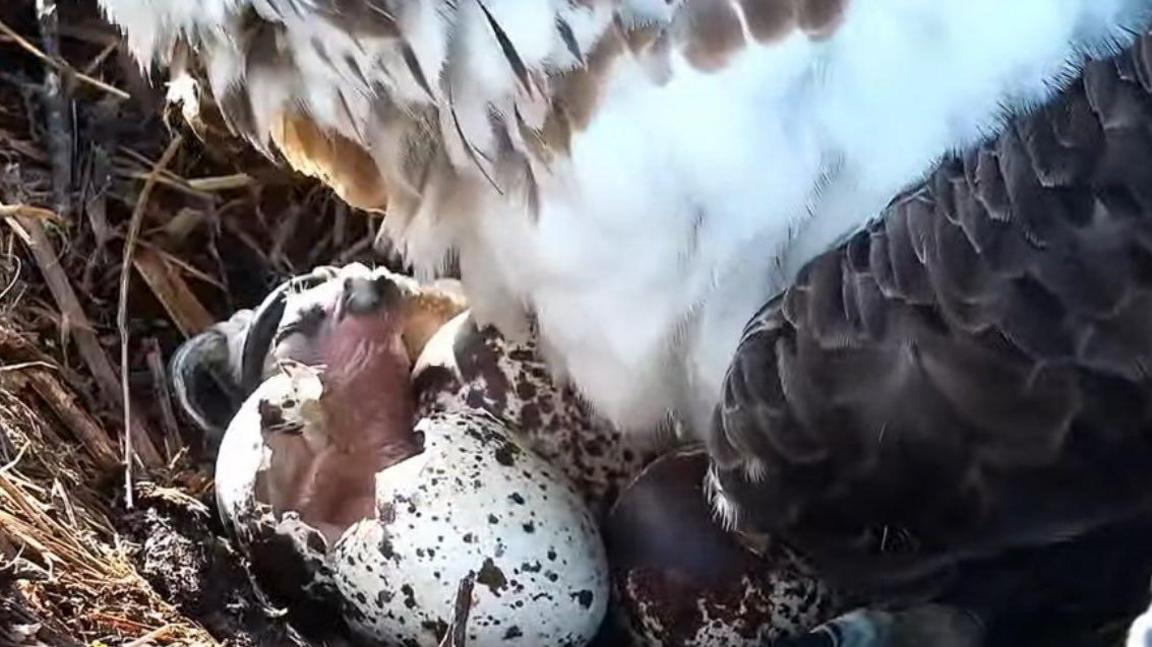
x,y
680,579
474,501
465,366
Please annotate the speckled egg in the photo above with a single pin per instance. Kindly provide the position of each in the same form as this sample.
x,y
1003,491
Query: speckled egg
x,y
465,366
474,501
681,579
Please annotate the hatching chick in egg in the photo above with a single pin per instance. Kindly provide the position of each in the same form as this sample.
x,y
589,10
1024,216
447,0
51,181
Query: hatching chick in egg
x,y
363,421
344,493
214,372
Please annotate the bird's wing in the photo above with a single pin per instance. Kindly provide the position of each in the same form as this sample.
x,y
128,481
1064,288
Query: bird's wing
x,y
417,105
386,99
972,370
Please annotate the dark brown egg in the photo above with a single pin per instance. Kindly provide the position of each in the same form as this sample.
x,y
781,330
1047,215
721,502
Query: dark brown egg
x,y
679,578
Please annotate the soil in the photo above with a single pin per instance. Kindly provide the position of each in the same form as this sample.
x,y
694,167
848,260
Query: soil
x,y
181,553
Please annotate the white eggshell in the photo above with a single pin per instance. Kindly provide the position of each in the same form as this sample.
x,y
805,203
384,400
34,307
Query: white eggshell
x,y
475,501
243,453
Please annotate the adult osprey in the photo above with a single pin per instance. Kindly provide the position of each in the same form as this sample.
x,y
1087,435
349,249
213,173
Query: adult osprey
x,y
637,178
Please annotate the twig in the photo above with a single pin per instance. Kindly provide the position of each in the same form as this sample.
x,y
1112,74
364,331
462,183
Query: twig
x,y
99,59
149,637
56,103
75,418
457,634
182,306
99,176
184,266
164,395
27,46
13,280
122,310
23,366
222,182
29,211
44,252
7,467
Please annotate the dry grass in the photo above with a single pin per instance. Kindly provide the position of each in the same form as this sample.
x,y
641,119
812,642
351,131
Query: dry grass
x,y
63,563
119,238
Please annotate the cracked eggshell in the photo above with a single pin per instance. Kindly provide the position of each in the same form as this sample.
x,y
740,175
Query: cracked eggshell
x,y
476,500
465,366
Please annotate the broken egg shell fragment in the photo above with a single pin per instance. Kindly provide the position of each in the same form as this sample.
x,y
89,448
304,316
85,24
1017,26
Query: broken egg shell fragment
x,y
679,578
476,500
466,366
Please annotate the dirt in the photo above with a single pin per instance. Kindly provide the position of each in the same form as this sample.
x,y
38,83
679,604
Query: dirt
x,y
180,552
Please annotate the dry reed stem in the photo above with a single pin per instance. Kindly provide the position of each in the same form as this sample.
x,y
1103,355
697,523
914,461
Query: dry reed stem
x,y
134,226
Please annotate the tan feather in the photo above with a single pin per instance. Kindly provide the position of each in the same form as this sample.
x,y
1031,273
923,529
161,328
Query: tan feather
x,y
332,158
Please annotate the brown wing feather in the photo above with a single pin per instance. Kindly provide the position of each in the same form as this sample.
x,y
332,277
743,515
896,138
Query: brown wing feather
x,y
971,371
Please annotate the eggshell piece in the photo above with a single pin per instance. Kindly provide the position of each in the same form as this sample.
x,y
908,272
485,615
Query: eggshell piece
x,y
465,366
475,501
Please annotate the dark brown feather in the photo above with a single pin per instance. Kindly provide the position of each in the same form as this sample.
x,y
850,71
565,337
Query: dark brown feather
x,y
509,50
971,372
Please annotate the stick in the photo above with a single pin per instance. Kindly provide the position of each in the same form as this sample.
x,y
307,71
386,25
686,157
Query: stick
x,y
457,634
44,252
56,105
58,64
163,394
83,427
122,310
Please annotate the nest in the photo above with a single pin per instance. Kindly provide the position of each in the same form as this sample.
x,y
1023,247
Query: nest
x,y
121,234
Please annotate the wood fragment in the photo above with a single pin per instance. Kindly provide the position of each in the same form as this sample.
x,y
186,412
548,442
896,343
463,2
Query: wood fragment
x,y
457,634
99,172
181,266
84,428
186,311
163,395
